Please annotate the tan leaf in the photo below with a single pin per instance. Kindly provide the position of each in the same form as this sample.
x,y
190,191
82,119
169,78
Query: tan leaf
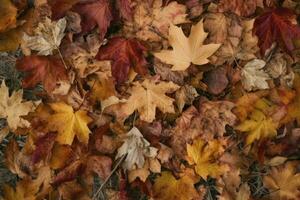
x,y
187,50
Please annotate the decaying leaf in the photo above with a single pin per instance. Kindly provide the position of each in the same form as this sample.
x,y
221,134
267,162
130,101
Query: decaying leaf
x,y
13,107
253,76
135,148
47,37
187,50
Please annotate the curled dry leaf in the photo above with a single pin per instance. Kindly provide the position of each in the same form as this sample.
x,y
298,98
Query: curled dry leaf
x,y
8,16
240,7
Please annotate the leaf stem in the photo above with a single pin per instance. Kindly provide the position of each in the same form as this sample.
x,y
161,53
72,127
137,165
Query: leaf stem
x,y
111,173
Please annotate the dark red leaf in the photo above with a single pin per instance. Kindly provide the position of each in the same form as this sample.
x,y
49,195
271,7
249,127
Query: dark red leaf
x,y
43,147
276,26
42,69
94,13
124,53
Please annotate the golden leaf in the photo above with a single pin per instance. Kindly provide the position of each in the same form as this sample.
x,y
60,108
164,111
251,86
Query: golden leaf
x,y
69,123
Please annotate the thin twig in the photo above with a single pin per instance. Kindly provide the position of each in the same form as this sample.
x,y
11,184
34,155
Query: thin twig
x,y
105,181
61,57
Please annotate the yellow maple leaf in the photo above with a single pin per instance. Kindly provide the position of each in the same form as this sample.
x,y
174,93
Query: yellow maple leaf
x,y
167,187
258,125
147,96
204,155
8,15
69,123
187,50
283,182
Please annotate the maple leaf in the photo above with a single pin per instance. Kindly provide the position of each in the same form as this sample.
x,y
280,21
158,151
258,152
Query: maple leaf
x,y
13,107
42,69
135,147
284,182
69,123
155,97
253,76
94,13
8,15
187,50
276,26
203,155
167,187
259,125
47,36
124,53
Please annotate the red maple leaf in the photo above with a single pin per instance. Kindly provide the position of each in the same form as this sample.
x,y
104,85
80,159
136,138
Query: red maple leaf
x,y
94,13
124,53
42,69
276,26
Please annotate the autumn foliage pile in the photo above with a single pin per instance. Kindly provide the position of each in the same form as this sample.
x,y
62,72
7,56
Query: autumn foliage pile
x,y
150,99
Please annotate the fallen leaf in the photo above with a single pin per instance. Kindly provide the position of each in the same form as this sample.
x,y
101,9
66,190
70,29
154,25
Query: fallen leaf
x,y
13,107
155,93
42,69
276,26
126,9
135,148
167,187
216,80
124,53
94,13
69,123
185,96
46,37
100,165
204,156
258,125
187,50
60,7
284,181
253,75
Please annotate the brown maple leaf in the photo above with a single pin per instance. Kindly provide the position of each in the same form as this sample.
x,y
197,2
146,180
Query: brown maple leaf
x,y
94,13
42,69
276,26
124,53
